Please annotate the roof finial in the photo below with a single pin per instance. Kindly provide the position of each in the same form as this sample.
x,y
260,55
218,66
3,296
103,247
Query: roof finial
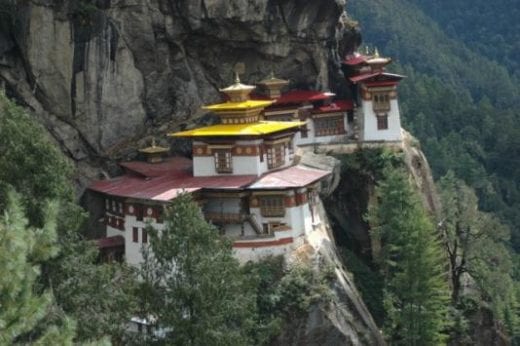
x,y
239,68
367,50
272,75
153,142
376,53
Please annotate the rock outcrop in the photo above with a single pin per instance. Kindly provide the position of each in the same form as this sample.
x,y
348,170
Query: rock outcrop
x,y
343,319
102,74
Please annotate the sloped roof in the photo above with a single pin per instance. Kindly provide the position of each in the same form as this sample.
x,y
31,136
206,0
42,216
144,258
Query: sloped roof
x,y
291,177
254,129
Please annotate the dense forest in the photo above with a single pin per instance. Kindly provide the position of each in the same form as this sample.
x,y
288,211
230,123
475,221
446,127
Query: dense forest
x,y
461,98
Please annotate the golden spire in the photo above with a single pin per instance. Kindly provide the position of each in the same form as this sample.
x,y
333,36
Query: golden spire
x,y
273,85
154,152
238,92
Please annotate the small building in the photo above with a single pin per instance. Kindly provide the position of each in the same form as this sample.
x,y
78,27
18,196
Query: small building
x,y
325,120
242,172
375,96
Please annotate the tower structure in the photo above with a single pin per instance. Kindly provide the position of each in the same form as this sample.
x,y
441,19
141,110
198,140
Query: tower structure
x,y
375,93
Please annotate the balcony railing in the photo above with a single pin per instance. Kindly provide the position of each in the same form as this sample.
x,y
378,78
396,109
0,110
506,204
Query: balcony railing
x,y
225,218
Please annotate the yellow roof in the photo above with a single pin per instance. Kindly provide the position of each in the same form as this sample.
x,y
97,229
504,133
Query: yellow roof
x,y
244,105
255,129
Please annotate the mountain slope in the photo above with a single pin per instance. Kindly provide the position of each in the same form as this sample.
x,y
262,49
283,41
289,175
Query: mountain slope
x,y
463,106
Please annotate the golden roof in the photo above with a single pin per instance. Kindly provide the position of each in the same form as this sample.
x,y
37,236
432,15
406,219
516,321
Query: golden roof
x,y
255,129
242,105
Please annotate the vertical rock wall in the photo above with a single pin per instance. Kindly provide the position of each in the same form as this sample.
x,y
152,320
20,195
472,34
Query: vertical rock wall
x,y
101,74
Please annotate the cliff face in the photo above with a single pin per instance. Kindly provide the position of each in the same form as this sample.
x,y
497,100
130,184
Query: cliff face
x,y
102,74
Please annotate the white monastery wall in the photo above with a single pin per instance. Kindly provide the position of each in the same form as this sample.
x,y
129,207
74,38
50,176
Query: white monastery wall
x,y
370,131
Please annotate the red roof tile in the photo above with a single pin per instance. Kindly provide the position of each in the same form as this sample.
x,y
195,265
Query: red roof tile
x,y
300,96
355,60
296,97
336,106
295,176
167,187
379,76
170,166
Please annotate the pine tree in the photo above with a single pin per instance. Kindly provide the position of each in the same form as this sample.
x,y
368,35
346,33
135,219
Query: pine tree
x,y
96,296
23,310
193,284
474,241
415,292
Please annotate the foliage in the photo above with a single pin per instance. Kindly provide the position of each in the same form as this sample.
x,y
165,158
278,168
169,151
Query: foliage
x,y
285,294
415,292
99,296
193,284
32,165
300,288
475,243
461,105
370,283
23,312
488,28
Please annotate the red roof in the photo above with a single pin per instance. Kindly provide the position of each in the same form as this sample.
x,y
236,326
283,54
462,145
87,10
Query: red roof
x,y
297,97
353,60
336,106
110,242
167,187
170,166
295,176
379,76
300,96
164,181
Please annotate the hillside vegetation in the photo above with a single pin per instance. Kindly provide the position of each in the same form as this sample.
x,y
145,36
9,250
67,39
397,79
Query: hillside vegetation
x,y
461,97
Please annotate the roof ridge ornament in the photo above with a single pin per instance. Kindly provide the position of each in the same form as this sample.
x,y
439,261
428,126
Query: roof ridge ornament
x,y
238,69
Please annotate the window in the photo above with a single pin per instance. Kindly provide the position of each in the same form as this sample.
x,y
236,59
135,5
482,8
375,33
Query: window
x,y
144,236
329,126
135,235
304,131
139,209
272,206
381,102
350,117
276,156
160,212
223,160
290,145
382,122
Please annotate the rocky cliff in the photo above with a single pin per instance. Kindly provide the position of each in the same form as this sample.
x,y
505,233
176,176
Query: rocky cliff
x,y
102,74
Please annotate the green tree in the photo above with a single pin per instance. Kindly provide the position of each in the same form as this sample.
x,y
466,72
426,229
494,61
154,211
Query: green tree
x,y
415,292
96,295
23,310
475,243
193,285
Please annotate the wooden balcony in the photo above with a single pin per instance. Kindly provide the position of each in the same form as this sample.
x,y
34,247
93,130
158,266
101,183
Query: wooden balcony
x,y
225,218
